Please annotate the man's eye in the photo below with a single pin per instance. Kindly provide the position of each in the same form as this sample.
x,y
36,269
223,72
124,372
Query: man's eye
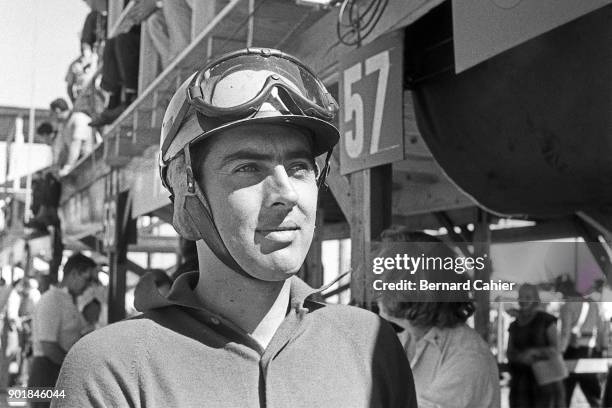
x,y
301,168
247,168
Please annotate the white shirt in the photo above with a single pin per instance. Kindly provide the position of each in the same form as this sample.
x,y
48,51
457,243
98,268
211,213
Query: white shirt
x,y
454,368
56,319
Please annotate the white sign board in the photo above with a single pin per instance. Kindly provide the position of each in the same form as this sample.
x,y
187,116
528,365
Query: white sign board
x,y
484,28
371,104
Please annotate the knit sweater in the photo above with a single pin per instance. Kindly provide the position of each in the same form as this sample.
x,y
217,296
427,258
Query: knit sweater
x,y
179,354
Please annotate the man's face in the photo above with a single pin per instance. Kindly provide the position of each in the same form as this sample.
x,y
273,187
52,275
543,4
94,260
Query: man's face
x,y
260,181
79,281
528,298
60,115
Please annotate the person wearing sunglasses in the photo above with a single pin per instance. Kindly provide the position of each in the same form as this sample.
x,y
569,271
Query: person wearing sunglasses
x,y
237,154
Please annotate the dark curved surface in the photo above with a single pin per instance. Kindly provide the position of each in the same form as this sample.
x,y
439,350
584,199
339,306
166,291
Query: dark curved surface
x,y
529,131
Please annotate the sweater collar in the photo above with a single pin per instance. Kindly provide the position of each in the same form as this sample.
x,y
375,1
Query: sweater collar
x,y
147,297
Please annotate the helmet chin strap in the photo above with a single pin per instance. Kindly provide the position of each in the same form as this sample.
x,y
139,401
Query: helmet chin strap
x,y
197,208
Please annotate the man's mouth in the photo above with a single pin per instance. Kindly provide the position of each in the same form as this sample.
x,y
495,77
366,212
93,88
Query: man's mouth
x,y
281,233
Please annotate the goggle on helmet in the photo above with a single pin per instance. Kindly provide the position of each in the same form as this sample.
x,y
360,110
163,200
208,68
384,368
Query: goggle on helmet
x,y
251,85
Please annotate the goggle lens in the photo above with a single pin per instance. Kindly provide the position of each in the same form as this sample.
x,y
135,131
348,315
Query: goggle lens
x,y
240,79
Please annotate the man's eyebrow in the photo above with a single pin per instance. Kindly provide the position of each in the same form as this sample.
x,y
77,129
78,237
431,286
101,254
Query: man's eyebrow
x,y
257,156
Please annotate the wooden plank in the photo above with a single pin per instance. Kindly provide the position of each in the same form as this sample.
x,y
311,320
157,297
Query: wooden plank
x,y
338,230
83,213
118,261
371,213
360,235
154,244
421,192
85,173
314,264
202,14
115,7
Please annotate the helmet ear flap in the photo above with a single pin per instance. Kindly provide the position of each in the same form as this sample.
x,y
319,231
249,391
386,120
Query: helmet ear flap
x,y
180,220
192,217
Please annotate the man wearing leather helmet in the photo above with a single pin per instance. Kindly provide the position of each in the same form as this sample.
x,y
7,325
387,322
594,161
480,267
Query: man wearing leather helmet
x,y
237,154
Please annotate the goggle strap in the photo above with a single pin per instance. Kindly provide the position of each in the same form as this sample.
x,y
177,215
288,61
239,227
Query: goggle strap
x,y
189,170
288,101
198,211
325,171
177,122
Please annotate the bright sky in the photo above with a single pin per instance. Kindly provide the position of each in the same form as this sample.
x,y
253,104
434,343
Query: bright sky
x,y
39,40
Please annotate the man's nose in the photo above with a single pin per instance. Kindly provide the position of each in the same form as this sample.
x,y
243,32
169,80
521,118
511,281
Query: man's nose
x,y
281,190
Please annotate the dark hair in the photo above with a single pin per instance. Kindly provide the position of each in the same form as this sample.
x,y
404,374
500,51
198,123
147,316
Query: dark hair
x,y
45,128
432,314
93,302
78,263
423,309
59,103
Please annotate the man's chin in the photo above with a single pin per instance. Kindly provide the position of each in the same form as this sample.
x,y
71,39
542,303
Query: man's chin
x,y
275,271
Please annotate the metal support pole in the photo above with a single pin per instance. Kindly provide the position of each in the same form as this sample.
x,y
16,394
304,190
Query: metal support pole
x,y
370,215
482,247
28,192
251,23
314,265
118,258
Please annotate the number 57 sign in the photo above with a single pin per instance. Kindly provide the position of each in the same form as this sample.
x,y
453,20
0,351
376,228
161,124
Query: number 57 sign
x,y
371,104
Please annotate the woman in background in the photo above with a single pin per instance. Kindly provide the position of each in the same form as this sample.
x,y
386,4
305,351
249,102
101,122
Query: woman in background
x,y
452,365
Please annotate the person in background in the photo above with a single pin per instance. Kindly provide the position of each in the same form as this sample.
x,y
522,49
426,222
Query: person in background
x,y
84,95
29,296
74,137
92,304
91,314
120,64
46,187
168,23
582,336
93,33
451,363
533,336
57,323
